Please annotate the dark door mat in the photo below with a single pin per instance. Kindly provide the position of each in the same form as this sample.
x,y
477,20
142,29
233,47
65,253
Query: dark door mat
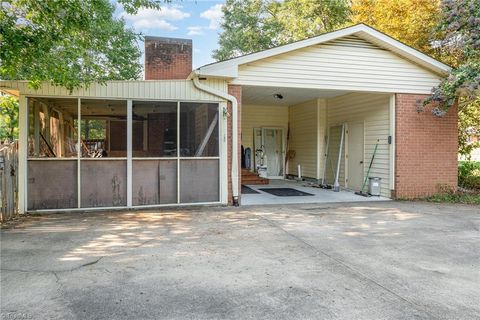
x,y
286,192
248,190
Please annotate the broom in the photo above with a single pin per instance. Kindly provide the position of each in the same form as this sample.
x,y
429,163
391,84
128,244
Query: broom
x,y
361,192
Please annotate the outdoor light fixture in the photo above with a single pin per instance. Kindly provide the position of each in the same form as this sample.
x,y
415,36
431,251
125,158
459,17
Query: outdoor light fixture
x,y
278,96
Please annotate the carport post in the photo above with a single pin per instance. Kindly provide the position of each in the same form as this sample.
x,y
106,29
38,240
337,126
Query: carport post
x,y
336,185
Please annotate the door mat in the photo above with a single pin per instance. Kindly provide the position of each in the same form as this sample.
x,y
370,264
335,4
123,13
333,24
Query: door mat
x,y
286,192
248,190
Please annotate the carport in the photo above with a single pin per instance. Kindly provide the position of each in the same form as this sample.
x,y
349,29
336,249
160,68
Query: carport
x,y
304,192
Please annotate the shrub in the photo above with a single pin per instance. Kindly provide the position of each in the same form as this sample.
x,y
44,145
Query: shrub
x,y
469,175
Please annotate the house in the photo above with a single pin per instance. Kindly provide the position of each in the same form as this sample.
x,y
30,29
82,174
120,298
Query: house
x,y
177,137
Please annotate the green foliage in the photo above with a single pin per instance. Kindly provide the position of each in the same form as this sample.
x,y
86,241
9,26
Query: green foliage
x,y
461,27
70,43
460,198
8,118
469,175
248,26
468,126
254,25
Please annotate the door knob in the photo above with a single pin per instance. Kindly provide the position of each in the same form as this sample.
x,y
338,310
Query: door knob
x,y
361,162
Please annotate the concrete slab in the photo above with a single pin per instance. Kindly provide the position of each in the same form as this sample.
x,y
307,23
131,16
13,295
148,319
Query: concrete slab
x,y
365,260
319,195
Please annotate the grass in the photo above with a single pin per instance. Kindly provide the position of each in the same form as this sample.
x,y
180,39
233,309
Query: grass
x,y
458,197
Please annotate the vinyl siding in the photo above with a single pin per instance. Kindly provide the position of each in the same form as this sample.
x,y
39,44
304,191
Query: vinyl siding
x,y
373,111
257,116
155,90
303,138
349,63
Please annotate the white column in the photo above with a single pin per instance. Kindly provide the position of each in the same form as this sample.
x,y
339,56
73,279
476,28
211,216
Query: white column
x,y
22,154
129,153
392,144
79,152
178,151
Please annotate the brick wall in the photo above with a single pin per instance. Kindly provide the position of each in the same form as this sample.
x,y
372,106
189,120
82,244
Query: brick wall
x,y
426,149
235,91
167,58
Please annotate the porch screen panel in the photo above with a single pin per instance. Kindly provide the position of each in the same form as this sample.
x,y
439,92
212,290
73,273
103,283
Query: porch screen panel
x,y
52,184
199,181
103,164
103,128
52,153
158,123
104,183
199,130
154,182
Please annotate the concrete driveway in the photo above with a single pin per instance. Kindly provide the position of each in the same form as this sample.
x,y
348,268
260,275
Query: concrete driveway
x,y
383,260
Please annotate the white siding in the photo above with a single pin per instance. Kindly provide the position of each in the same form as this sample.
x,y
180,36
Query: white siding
x,y
155,90
303,138
373,111
349,63
255,116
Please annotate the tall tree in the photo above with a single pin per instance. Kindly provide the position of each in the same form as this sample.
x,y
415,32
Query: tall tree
x,y
254,25
411,21
248,26
68,42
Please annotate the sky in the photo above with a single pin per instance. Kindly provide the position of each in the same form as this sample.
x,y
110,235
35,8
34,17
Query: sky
x,y
198,20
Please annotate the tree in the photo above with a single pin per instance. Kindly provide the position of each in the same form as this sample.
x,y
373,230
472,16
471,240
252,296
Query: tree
x,y
70,43
8,118
411,21
248,26
254,25
461,26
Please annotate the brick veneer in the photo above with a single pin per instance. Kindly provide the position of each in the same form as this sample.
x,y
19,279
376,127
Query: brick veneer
x,y
167,58
236,91
426,148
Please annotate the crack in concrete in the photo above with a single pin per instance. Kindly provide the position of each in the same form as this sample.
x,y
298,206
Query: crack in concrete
x,y
55,272
347,266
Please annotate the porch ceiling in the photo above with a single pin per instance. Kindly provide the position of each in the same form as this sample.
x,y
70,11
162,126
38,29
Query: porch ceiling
x,y
265,95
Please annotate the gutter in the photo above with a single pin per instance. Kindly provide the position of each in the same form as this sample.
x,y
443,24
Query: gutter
x,y
194,76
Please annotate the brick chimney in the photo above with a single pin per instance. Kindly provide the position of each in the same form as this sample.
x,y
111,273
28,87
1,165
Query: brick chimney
x,y
167,58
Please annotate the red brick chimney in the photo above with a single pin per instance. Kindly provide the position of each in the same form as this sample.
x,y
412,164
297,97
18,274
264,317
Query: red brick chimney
x,y
167,58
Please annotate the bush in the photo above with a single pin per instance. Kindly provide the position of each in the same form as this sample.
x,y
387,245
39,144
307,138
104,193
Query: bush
x,y
469,175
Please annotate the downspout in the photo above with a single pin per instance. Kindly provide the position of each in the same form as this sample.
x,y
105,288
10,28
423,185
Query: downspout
x,y
234,102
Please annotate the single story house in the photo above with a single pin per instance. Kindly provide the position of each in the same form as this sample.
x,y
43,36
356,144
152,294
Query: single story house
x,y
181,136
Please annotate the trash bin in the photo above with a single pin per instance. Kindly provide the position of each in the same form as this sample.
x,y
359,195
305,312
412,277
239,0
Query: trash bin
x,y
374,186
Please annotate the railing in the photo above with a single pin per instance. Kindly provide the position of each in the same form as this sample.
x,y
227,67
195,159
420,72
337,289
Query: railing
x,y
8,180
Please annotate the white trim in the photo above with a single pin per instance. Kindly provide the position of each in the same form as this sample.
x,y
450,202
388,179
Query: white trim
x,y
229,68
178,152
22,154
223,153
79,152
96,209
129,153
392,115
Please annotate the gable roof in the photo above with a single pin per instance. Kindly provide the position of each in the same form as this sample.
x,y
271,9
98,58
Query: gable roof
x,y
229,68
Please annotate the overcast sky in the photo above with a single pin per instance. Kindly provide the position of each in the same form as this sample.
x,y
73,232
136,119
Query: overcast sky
x,y
197,20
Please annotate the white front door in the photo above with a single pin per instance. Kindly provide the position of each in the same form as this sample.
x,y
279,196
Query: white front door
x,y
355,155
269,145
